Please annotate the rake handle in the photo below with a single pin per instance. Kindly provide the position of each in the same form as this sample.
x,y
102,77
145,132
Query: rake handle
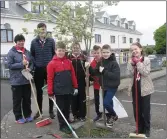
x,y
73,132
102,85
136,97
32,88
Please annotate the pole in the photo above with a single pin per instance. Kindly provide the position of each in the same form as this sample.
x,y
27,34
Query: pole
x,y
88,102
118,51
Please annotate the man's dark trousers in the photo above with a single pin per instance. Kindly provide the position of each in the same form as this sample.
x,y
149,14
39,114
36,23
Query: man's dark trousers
x,y
40,76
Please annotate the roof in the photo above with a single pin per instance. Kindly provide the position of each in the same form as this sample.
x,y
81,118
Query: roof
x,y
111,26
100,14
14,10
123,20
113,17
18,11
130,22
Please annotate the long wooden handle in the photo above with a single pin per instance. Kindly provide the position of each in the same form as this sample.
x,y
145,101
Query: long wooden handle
x,y
102,86
32,88
136,94
88,100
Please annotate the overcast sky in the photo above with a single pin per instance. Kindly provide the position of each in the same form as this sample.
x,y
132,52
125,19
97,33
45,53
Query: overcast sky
x,y
148,15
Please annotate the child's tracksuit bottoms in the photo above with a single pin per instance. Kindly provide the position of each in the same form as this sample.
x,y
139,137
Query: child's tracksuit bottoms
x,y
63,102
108,101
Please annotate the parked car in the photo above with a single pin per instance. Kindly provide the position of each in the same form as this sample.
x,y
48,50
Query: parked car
x,y
151,57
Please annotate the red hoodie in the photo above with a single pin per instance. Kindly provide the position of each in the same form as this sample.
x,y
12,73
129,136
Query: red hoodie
x,y
61,77
96,84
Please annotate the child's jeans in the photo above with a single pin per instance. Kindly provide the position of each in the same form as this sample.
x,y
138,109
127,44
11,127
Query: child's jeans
x,y
97,101
108,100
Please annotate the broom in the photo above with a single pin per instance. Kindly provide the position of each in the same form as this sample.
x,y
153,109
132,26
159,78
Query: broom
x,y
102,85
73,132
29,77
136,135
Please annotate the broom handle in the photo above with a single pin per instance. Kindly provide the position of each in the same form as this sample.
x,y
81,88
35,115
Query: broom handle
x,y
102,84
136,93
73,132
32,88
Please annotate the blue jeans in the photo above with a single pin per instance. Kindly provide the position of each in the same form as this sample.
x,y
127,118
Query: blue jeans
x,y
108,101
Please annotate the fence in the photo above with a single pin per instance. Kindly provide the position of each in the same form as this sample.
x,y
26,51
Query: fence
x,y
156,64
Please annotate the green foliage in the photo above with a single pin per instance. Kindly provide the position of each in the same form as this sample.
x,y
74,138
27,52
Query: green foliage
x,y
149,50
164,64
74,22
160,39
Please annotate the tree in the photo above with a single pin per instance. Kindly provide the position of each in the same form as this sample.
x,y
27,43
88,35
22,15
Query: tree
x,y
160,39
74,22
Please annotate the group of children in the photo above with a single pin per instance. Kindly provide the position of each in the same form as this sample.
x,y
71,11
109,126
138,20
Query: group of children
x,y
105,73
66,81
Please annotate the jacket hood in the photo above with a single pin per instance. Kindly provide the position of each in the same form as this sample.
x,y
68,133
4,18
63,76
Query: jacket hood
x,y
111,58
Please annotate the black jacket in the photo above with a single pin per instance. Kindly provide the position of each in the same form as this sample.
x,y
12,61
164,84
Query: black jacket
x,y
79,67
110,74
42,52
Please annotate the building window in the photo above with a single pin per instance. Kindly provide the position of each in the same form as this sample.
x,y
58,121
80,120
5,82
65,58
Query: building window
x,y
131,40
118,23
134,28
37,8
112,38
6,35
123,39
2,4
138,40
105,20
125,57
97,38
126,25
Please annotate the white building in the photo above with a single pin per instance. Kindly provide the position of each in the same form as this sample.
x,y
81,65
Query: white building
x,y
108,29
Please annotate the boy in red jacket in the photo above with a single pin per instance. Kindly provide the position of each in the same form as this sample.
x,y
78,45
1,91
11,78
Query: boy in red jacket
x,y
96,85
62,83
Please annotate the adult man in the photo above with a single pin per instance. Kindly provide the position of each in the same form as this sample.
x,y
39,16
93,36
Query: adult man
x,y
42,49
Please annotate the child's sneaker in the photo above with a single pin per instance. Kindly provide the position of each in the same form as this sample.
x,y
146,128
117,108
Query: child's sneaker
x,y
29,119
109,122
21,121
65,130
98,117
83,119
115,118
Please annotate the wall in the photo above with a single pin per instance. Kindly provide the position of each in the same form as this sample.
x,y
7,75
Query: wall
x,y
105,38
17,25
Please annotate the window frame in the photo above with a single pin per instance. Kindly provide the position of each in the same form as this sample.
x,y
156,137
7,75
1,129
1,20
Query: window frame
x,y
126,26
138,40
123,39
111,36
130,40
106,20
7,38
1,4
118,23
98,37
37,6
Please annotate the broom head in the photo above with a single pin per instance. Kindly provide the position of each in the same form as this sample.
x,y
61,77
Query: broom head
x,y
134,135
43,122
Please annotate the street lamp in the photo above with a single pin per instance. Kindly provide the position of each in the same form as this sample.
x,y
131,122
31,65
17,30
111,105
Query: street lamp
x,y
119,47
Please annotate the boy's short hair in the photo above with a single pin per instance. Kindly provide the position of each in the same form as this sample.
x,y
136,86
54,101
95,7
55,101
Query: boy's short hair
x,y
96,47
75,43
40,25
61,45
106,46
19,37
